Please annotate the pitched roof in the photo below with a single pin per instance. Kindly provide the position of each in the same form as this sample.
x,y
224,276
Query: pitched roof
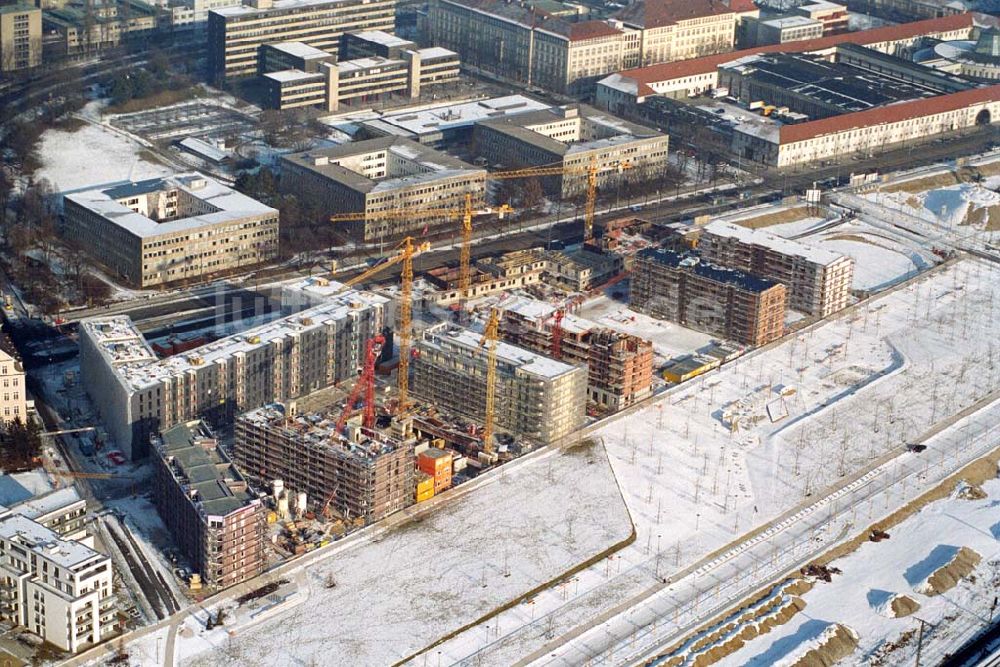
x,y
591,30
892,113
660,13
707,64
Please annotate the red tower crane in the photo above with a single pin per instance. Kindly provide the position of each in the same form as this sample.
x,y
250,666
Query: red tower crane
x,y
366,382
557,332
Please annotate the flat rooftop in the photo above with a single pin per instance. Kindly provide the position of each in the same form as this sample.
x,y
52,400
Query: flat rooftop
x,y
766,239
602,129
228,205
382,38
300,50
696,265
839,87
47,543
422,164
47,503
445,338
452,116
197,463
136,366
279,6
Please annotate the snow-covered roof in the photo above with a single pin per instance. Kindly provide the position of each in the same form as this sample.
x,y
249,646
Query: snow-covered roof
x,y
449,116
47,503
290,75
299,50
47,543
381,37
523,360
228,204
774,242
436,52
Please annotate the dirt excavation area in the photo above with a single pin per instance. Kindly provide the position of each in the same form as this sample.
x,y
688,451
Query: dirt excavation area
x,y
942,565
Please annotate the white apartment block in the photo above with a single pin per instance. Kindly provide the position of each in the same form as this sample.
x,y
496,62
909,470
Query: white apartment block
x,y
163,230
573,136
537,398
139,395
13,392
818,280
58,588
379,175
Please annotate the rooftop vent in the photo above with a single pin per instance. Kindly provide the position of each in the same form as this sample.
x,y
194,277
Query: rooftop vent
x,y
320,160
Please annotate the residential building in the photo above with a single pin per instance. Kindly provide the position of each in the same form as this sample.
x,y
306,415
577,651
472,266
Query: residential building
x,y
536,399
359,474
818,280
320,82
217,520
619,365
138,395
527,43
577,137
62,511
20,37
682,288
14,391
379,175
620,92
513,270
55,587
235,34
832,15
582,269
162,230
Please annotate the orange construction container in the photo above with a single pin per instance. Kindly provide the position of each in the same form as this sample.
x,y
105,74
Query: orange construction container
x,y
438,464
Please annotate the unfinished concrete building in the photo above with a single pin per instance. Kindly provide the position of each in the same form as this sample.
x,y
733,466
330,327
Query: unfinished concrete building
x,y
512,270
139,395
537,398
619,365
217,520
362,473
818,280
682,288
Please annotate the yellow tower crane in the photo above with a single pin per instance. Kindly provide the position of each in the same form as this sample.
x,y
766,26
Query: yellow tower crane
x,y
490,338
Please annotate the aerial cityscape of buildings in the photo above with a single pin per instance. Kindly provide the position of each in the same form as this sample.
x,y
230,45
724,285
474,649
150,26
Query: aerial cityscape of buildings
x,y
499,331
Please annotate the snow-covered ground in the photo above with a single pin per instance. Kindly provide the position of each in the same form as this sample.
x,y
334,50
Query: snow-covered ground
x,y
21,486
409,586
669,338
90,156
876,572
705,463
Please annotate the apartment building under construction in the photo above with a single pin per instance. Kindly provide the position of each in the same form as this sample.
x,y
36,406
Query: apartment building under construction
x,y
360,473
208,506
537,398
139,395
682,288
818,280
619,365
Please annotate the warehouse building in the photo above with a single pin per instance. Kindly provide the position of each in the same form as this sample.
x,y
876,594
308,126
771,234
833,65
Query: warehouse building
x,y
682,288
537,399
384,174
359,474
236,34
218,521
573,136
818,280
52,584
527,44
139,395
619,365
315,80
163,230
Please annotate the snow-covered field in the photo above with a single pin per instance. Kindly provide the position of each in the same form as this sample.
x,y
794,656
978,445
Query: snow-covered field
x,y
705,463
876,572
90,156
669,338
404,589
